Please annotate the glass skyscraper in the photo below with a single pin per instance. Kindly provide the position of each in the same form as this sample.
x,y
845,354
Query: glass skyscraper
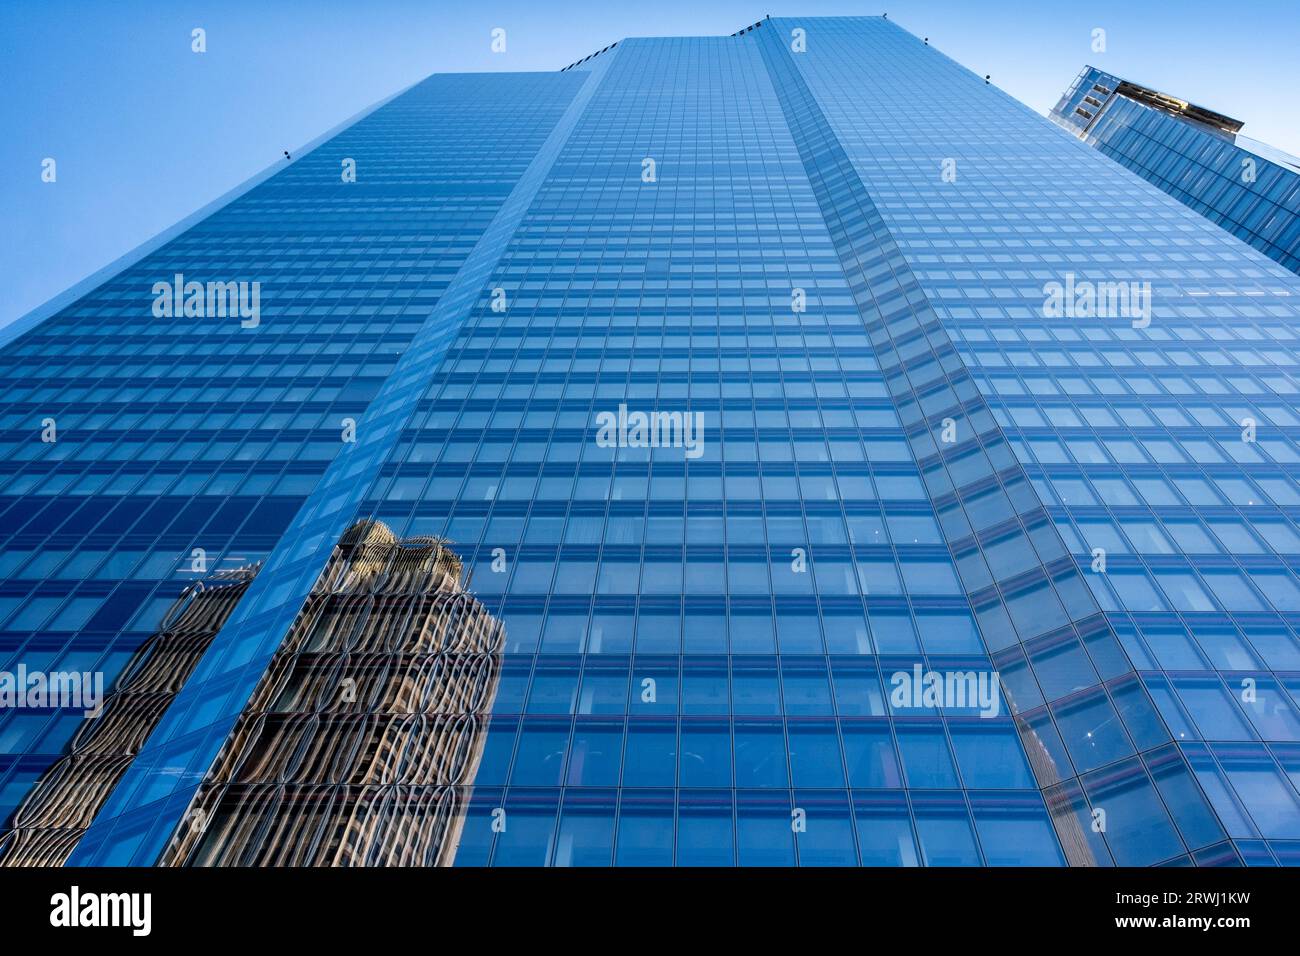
x,y
1196,155
862,471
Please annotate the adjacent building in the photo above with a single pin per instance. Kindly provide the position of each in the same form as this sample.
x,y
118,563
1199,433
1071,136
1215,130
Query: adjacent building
x,y
1194,154
847,490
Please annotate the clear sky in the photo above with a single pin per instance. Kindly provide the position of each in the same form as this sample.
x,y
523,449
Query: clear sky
x,y
144,131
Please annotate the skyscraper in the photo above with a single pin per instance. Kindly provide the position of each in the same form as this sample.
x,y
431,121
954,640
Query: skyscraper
x,y
852,486
1196,155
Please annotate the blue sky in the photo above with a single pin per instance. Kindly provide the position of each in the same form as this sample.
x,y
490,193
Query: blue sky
x,y
145,131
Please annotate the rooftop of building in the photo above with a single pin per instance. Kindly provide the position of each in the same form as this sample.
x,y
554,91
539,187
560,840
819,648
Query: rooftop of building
x,y
1208,120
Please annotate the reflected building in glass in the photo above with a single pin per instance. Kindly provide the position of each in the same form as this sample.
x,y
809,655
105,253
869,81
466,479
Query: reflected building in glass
x,y
847,490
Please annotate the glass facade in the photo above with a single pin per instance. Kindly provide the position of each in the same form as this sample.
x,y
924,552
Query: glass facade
x,y
951,573
1247,187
